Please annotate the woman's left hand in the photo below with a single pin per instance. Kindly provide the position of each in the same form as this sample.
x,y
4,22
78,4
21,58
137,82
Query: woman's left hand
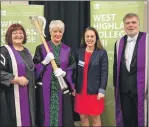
x,y
100,95
59,72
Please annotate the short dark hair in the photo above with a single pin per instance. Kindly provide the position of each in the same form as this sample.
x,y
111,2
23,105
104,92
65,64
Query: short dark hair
x,y
129,15
98,43
13,27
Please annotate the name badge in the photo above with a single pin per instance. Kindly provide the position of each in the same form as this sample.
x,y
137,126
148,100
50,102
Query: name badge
x,y
81,63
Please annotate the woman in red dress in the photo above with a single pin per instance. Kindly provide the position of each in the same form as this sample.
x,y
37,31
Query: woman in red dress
x,y
91,79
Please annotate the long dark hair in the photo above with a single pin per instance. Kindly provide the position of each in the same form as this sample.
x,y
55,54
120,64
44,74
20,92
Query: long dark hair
x,y
98,44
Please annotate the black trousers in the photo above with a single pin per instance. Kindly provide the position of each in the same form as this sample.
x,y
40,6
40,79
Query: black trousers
x,y
129,104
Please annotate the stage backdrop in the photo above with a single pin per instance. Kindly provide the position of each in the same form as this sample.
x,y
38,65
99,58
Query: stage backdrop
x,y
107,18
20,14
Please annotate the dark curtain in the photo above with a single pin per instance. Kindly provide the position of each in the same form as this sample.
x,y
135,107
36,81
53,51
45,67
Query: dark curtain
x,y
76,17
74,14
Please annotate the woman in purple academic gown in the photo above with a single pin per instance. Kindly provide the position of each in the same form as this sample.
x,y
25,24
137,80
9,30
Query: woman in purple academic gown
x,y
17,86
53,107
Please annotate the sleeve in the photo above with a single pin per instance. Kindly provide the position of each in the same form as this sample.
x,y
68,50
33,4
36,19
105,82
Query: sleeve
x,y
38,55
6,74
69,70
39,70
104,73
39,67
115,66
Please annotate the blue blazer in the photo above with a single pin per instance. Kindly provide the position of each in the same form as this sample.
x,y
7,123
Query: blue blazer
x,y
97,71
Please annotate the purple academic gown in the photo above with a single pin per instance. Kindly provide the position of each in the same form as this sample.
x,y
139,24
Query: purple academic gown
x,y
141,82
21,95
64,61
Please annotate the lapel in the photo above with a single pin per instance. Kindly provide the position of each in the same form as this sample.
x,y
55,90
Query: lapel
x,y
136,47
50,46
93,56
44,50
123,52
82,55
64,51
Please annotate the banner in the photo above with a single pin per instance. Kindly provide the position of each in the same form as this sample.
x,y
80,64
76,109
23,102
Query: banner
x,y
20,14
107,18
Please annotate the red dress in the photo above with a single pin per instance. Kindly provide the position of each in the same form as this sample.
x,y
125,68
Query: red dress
x,y
88,104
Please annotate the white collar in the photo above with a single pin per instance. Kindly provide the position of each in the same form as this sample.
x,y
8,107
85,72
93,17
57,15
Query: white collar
x,y
130,39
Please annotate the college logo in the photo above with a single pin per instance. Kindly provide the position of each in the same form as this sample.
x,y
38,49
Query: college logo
x,y
3,12
96,6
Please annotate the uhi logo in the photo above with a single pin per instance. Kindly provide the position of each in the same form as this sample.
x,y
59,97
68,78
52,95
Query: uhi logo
x,y
3,12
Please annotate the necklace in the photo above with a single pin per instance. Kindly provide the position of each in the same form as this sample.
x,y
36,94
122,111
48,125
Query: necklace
x,y
30,69
18,48
23,54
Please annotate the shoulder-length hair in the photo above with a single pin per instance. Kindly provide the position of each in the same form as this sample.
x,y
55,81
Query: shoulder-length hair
x,y
98,44
13,27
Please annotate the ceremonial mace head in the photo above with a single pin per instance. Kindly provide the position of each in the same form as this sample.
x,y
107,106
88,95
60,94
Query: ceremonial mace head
x,y
39,23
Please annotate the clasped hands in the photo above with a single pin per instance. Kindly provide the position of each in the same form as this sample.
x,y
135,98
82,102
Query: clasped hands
x,y
49,57
22,81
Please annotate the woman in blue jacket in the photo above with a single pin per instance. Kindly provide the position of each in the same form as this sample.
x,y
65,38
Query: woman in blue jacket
x,y
92,76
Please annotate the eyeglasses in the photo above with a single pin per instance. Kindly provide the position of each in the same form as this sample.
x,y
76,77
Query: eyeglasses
x,y
17,33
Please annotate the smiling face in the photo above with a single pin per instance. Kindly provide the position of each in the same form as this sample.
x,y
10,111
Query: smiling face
x,y
90,38
56,34
17,37
131,26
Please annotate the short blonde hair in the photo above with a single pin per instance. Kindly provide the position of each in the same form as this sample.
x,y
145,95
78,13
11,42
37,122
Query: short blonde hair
x,y
56,23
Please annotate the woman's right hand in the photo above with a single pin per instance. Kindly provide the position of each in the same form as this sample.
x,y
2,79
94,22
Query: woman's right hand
x,y
74,92
20,80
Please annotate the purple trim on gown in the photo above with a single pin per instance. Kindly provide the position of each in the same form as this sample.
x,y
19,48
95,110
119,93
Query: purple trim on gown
x,y
23,91
140,80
